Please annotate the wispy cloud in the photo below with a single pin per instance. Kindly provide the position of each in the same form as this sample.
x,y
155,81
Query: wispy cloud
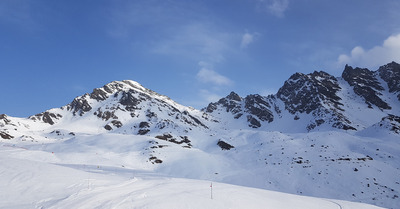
x,y
209,76
175,29
248,38
374,57
274,7
181,32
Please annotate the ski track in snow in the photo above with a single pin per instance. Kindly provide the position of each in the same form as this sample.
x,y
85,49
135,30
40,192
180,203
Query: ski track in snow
x,y
337,204
47,177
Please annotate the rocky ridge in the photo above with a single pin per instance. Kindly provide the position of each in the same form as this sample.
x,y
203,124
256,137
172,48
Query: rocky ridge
x,y
390,73
121,107
318,130
312,101
317,99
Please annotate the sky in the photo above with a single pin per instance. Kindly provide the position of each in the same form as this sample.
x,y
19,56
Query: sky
x,y
194,51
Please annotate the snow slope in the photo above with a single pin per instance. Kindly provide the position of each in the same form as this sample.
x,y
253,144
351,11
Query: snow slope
x,y
319,136
38,182
320,164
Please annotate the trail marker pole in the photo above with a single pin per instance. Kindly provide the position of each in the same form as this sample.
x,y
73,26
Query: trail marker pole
x,y
211,190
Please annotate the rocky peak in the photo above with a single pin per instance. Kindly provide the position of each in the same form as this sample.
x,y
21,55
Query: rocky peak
x,y
254,108
127,107
361,76
390,73
80,105
130,94
231,103
258,106
233,96
305,93
316,94
4,120
104,92
3,117
366,85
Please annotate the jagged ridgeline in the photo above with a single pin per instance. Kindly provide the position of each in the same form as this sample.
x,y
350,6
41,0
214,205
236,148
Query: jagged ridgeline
x,y
305,102
332,137
318,101
122,103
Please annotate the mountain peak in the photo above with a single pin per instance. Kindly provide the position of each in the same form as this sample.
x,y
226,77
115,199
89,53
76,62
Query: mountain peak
x,y
365,84
113,87
229,103
304,93
234,96
133,84
391,74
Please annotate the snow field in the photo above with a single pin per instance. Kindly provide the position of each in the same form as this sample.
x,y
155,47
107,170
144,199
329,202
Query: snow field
x,y
34,184
114,171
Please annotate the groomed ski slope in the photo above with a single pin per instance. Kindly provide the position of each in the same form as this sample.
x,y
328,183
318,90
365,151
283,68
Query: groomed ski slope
x,y
40,179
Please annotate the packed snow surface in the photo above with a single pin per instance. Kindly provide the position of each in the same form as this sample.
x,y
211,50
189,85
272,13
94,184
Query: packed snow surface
x,y
111,171
317,141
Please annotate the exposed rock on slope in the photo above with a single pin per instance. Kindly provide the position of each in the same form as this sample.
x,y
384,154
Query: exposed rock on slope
x,y
124,106
237,134
315,94
254,108
391,74
390,123
366,85
318,100
306,93
310,102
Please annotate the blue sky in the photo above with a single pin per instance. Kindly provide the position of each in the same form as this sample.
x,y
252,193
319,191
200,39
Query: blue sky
x,y
194,51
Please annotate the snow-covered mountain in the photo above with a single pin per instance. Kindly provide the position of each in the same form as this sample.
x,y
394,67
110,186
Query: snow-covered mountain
x,y
319,135
123,107
318,101
126,107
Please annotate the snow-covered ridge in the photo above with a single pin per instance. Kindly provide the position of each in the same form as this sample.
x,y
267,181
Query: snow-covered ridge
x,y
315,101
319,136
319,101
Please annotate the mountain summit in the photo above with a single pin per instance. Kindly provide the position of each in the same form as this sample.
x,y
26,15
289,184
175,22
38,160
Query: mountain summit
x,y
319,135
309,102
126,107
319,101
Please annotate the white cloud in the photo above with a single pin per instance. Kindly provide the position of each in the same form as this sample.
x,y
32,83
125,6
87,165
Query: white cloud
x,y
374,57
177,29
247,39
214,81
278,7
209,76
274,7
